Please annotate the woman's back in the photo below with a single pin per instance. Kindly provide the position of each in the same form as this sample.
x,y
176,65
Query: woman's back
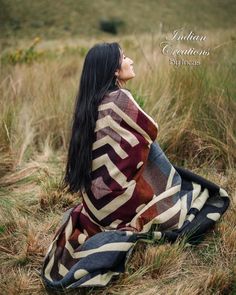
x,y
123,135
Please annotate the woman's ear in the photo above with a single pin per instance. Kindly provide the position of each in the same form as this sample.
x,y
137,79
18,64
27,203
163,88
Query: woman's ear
x,y
117,73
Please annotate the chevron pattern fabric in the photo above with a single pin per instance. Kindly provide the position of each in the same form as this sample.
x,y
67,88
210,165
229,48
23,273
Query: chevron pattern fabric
x,y
136,193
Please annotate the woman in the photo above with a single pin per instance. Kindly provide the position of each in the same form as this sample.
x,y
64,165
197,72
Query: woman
x,y
129,188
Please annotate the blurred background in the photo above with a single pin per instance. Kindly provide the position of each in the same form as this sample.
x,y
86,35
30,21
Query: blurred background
x,y
81,18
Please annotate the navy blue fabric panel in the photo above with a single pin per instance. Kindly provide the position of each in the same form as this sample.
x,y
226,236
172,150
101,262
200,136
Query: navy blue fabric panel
x,y
189,175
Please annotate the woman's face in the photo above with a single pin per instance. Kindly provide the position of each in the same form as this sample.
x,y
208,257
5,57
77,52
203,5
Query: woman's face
x,y
126,71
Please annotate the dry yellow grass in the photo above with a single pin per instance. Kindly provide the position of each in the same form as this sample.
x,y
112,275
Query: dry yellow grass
x,y
197,129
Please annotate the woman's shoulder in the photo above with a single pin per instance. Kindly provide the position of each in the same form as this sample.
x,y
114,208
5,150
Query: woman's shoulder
x,y
119,91
124,100
120,96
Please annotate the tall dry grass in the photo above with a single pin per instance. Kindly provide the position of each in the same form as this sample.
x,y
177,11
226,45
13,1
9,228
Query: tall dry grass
x,y
195,110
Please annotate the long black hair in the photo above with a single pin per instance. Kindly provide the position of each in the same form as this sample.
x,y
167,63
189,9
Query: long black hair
x,y
97,79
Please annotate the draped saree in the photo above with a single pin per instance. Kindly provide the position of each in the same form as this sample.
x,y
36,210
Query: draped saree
x,y
136,193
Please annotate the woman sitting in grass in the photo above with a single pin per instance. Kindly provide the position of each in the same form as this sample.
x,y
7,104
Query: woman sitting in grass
x,y
129,189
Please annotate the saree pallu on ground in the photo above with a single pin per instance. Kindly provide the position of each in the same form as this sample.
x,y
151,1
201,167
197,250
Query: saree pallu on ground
x,y
136,193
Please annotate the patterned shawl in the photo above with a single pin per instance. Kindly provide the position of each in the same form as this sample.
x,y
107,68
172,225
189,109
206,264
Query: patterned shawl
x,y
136,193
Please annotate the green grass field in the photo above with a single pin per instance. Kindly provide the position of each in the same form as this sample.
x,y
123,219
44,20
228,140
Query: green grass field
x,y
194,106
54,19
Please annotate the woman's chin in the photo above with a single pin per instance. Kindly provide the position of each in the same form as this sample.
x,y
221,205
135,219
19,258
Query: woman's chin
x,y
132,75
